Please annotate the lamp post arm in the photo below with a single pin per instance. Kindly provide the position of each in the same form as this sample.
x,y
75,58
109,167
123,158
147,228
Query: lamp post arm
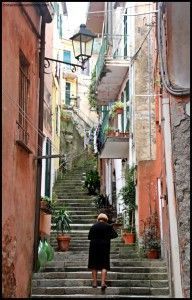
x,y
63,62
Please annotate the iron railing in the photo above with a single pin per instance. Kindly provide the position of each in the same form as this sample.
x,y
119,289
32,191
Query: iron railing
x,y
101,58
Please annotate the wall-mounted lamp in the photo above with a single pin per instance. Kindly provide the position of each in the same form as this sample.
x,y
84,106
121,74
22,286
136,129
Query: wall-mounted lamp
x,y
82,48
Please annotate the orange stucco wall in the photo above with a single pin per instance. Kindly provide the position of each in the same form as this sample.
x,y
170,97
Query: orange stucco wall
x,y
148,173
19,168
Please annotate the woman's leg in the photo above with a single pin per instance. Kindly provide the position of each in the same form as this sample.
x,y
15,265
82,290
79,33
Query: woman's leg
x,y
94,277
103,277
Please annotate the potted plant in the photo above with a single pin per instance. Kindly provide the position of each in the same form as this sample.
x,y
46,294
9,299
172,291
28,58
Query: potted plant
x,y
61,220
129,234
109,131
92,182
127,193
117,108
151,236
46,209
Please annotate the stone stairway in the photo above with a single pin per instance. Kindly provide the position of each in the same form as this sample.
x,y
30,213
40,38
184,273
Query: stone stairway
x,y
67,275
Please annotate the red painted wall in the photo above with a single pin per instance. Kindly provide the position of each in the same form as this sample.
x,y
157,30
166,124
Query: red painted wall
x,y
19,167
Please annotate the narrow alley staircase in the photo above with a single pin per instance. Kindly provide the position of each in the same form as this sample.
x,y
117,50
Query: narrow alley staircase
x,y
67,276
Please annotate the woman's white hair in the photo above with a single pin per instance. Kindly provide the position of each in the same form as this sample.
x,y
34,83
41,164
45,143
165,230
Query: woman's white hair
x,y
102,217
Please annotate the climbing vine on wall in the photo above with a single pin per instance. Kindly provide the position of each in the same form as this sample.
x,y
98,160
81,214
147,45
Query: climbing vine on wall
x,y
92,89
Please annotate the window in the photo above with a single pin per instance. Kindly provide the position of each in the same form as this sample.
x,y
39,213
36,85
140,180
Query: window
x,y
23,98
67,58
67,93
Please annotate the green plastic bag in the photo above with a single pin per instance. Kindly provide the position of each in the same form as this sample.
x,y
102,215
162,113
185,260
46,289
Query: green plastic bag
x,y
42,255
49,250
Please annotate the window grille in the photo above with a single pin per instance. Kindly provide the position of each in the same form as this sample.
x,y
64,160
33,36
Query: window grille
x,y
24,82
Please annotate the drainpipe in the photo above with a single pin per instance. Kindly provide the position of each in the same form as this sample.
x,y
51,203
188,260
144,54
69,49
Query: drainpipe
x,y
171,201
40,143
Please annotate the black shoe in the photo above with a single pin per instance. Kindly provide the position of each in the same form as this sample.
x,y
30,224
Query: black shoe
x,y
103,287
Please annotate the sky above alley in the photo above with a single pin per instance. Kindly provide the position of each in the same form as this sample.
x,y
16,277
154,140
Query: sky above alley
x,y
76,14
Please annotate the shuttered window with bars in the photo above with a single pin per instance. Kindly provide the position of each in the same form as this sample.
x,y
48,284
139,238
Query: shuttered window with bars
x,y
24,82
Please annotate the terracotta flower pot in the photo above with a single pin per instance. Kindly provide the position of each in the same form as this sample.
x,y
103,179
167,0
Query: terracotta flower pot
x,y
63,241
110,133
120,134
119,110
45,223
153,254
126,134
129,238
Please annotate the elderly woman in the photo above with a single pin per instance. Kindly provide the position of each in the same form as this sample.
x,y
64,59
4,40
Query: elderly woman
x,y
100,235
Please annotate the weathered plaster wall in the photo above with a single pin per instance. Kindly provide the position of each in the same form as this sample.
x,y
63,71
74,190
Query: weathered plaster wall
x,y
143,106
19,171
180,120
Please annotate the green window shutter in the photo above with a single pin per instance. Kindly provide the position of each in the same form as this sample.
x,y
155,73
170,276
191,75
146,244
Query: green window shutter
x,y
48,169
67,93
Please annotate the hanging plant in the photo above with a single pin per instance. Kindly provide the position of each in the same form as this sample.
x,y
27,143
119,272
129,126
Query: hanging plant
x,y
116,108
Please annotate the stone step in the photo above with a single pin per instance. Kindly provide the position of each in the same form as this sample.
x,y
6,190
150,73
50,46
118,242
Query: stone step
x,y
72,178
78,226
87,282
85,203
76,257
73,191
80,254
110,275
76,186
78,199
108,291
72,196
88,296
113,264
84,240
113,269
68,180
83,219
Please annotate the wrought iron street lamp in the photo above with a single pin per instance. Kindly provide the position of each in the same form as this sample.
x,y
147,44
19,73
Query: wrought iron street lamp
x,y
83,44
82,47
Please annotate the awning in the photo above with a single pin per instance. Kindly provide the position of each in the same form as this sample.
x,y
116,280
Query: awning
x,y
115,147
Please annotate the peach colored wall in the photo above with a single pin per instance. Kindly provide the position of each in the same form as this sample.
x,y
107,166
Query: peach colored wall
x,y
147,174
19,168
147,190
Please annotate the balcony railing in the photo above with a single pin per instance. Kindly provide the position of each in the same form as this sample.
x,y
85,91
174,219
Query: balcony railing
x,y
115,132
101,58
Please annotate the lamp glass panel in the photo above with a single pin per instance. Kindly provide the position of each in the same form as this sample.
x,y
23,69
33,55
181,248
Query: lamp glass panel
x,y
88,48
76,47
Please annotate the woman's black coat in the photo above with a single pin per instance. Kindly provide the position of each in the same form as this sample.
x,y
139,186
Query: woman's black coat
x,y
100,235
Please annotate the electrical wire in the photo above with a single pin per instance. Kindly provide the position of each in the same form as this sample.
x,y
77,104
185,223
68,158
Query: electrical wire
x,y
137,52
29,121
